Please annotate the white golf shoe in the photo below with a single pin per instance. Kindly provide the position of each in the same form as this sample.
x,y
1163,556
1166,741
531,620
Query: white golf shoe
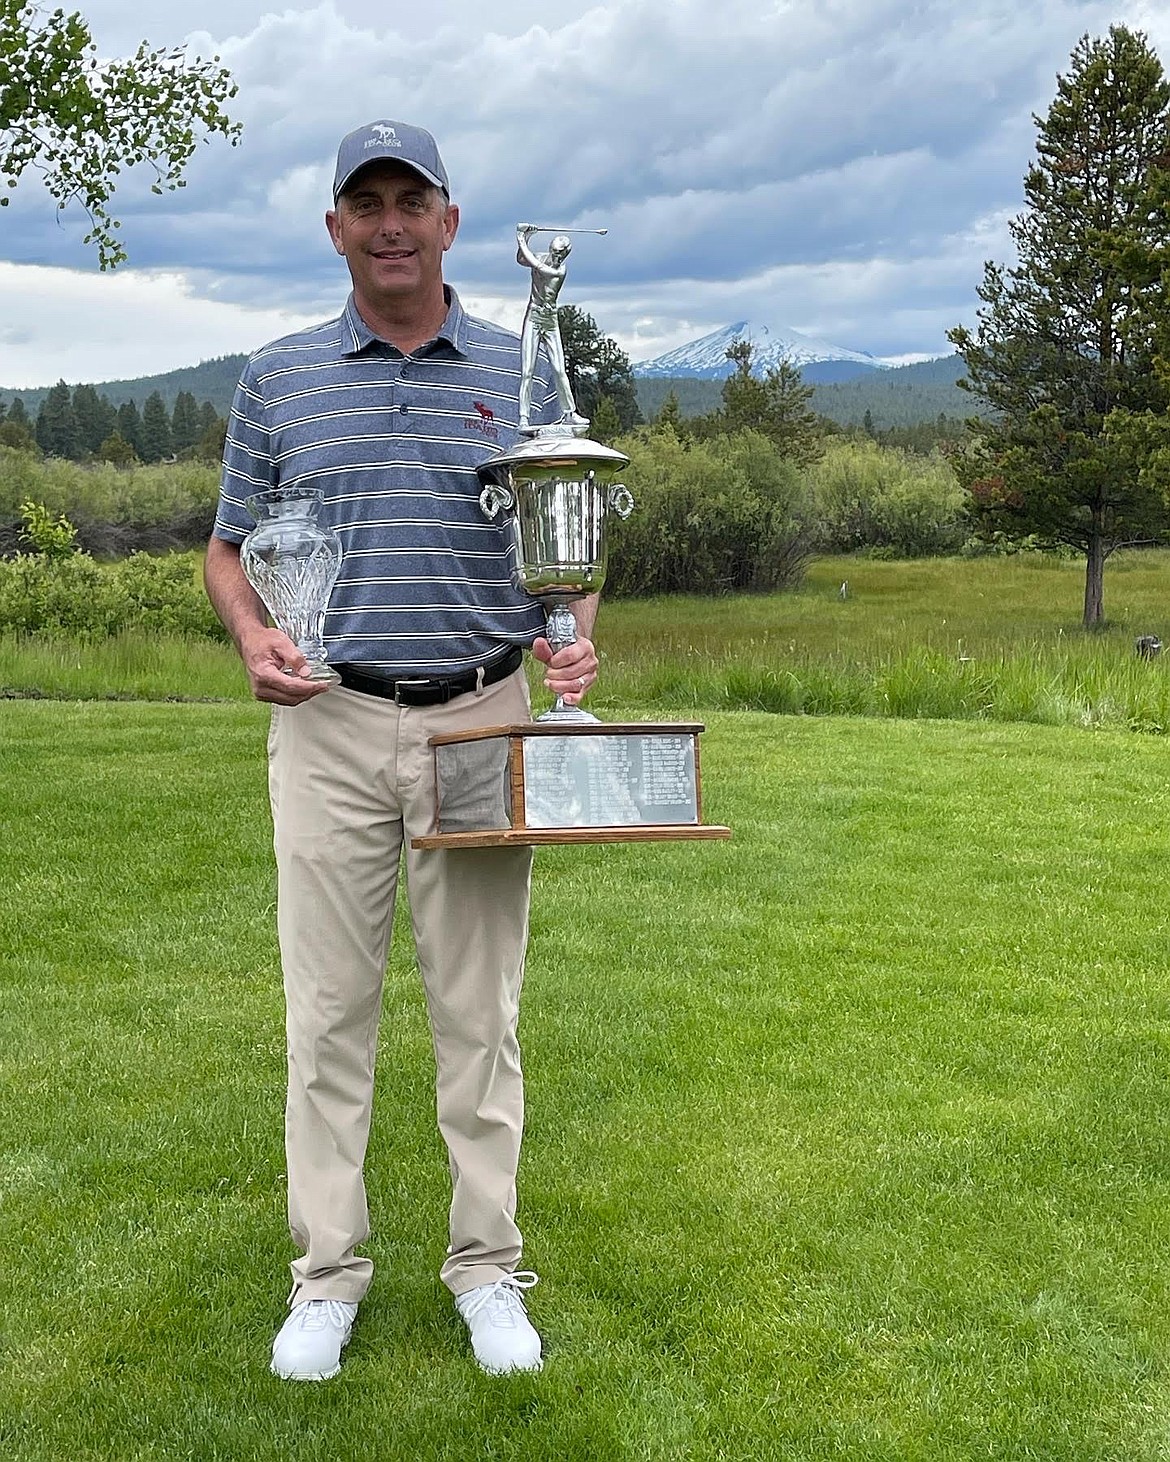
x,y
502,1336
309,1344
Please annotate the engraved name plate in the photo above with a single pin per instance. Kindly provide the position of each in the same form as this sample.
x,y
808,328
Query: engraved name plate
x,y
609,781
556,782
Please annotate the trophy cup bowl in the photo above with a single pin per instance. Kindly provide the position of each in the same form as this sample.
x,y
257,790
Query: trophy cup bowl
x,y
557,491
292,561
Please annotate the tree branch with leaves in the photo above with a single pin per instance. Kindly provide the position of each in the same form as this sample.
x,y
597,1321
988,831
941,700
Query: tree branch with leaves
x,y
80,122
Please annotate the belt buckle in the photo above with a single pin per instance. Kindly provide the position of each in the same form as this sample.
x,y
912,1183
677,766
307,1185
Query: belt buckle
x,y
398,684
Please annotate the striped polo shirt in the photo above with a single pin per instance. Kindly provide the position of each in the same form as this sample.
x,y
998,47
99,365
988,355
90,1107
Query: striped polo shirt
x,y
393,441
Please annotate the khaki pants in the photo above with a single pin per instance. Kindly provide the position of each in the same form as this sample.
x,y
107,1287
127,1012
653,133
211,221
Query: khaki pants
x,y
351,779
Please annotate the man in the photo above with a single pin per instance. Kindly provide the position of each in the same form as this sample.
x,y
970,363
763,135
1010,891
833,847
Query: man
x,y
541,327
388,410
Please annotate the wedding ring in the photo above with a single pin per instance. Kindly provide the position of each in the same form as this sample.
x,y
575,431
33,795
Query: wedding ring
x,y
581,682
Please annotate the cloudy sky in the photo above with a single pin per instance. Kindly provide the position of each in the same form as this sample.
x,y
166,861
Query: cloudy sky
x,y
842,167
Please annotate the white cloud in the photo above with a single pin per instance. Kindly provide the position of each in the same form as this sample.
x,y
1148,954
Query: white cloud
x,y
838,165
64,323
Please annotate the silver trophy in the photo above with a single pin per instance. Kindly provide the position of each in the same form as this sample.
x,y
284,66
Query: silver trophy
x,y
292,561
565,777
557,487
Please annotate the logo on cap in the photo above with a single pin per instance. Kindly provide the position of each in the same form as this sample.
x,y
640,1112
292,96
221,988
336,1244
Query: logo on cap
x,y
384,136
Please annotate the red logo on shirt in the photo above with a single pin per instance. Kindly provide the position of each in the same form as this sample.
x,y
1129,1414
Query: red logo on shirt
x,y
484,423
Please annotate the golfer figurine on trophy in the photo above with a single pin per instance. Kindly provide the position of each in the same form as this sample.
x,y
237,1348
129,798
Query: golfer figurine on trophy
x,y
541,327
566,777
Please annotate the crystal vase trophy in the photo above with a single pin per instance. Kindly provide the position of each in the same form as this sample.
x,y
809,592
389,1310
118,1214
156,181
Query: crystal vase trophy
x,y
565,777
292,561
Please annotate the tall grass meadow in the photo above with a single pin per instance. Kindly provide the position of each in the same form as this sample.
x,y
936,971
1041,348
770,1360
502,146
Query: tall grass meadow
x,y
994,639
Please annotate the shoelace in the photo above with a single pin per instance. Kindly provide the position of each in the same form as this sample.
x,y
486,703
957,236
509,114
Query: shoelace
x,y
321,1314
503,1297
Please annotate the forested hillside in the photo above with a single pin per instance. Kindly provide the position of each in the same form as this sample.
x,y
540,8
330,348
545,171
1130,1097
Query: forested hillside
x,y
893,398
898,397
210,380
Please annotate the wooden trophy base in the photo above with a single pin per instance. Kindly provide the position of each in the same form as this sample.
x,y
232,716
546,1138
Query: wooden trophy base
x,y
564,782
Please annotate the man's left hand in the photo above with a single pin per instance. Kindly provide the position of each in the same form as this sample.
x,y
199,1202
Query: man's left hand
x,y
571,671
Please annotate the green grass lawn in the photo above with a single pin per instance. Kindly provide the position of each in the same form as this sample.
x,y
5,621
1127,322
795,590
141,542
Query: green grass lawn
x,y
847,1139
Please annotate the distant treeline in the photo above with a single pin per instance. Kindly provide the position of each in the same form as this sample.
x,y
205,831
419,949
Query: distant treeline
x,y
210,380
898,398
903,397
78,424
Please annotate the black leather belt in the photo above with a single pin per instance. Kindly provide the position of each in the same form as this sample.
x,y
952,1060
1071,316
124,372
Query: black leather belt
x,y
416,692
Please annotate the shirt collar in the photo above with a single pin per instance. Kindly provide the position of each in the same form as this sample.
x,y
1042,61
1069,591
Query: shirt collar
x,y
357,336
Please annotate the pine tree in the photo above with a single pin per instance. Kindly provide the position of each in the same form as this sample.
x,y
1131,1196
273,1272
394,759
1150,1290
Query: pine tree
x,y
744,395
669,416
129,425
776,405
56,425
93,420
108,413
185,429
117,449
19,438
1065,342
597,367
155,437
606,425
16,430
211,443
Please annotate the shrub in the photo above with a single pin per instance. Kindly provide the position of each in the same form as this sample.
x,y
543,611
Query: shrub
x,y
164,595
74,595
710,517
54,537
871,497
115,509
70,595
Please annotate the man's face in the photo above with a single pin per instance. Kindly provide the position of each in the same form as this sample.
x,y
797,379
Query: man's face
x,y
393,229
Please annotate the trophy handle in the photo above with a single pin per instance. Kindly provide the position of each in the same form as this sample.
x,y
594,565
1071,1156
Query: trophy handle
x,y
621,500
494,497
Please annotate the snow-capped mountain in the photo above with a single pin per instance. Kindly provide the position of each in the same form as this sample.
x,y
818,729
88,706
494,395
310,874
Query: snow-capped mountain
x,y
706,357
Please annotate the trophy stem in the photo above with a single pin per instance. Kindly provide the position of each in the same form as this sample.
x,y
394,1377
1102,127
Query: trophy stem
x,y
312,647
561,632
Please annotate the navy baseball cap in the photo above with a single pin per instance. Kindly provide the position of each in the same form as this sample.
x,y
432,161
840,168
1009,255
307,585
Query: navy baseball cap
x,y
397,141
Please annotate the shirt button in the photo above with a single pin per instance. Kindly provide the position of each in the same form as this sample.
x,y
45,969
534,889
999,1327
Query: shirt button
x,y
405,410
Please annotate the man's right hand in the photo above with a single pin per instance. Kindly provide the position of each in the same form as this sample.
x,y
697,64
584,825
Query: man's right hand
x,y
276,669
